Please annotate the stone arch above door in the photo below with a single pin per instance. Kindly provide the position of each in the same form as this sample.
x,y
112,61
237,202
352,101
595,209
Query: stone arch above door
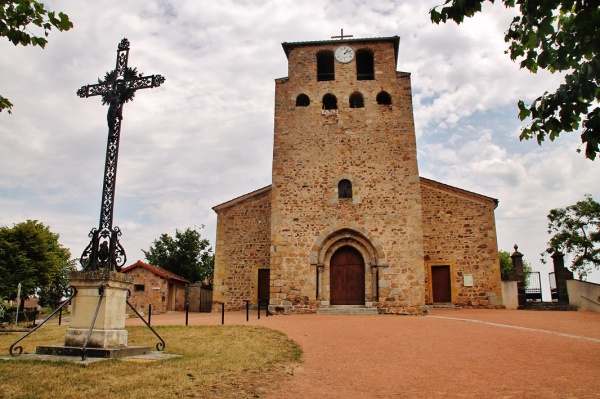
x,y
332,240
329,241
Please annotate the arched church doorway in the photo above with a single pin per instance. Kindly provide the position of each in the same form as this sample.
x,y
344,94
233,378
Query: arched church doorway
x,y
347,277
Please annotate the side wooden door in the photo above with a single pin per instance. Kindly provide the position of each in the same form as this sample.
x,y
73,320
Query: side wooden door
x,y
440,284
264,278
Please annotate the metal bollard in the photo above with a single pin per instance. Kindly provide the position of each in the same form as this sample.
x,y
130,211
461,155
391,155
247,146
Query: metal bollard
x,y
149,313
247,310
223,313
34,315
60,316
259,309
187,311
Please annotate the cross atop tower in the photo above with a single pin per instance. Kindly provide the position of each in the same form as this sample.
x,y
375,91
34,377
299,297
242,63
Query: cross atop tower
x,y
342,36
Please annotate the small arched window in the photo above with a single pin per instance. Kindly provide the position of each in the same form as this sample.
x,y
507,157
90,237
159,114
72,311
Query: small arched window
x,y
329,101
325,66
345,189
356,100
302,100
383,98
365,67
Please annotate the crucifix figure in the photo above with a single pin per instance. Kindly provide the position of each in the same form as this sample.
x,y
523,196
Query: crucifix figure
x,y
104,252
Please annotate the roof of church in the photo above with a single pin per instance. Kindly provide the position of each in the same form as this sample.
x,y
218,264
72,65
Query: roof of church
x,y
287,46
448,187
425,180
241,198
164,273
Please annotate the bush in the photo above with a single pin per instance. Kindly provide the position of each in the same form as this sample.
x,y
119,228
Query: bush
x,y
7,313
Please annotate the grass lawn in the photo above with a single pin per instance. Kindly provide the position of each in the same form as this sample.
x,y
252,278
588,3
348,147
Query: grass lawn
x,y
216,362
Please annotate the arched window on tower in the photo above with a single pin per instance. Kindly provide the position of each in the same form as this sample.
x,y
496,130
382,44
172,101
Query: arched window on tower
x,y
325,66
383,98
345,189
356,100
302,100
329,101
365,67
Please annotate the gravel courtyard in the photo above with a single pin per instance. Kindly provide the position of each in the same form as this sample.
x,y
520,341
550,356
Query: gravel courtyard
x,y
448,354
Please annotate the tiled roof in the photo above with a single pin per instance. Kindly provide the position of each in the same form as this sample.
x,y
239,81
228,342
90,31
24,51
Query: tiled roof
x,y
164,273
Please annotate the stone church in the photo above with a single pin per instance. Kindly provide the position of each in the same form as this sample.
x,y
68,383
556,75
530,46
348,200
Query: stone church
x,y
347,220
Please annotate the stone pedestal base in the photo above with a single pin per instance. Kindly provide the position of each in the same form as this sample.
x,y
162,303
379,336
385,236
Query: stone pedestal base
x,y
106,353
106,291
99,338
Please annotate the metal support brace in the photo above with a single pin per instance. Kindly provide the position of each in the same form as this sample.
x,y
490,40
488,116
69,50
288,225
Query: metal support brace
x,y
71,292
159,346
84,349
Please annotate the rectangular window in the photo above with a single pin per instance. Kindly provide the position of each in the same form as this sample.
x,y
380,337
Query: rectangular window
x,y
139,287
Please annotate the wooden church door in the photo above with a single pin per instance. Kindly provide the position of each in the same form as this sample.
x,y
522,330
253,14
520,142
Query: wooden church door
x,y
440,284
264,281
347,277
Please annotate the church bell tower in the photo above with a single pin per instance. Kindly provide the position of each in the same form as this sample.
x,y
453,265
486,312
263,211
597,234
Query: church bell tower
x,y
346,217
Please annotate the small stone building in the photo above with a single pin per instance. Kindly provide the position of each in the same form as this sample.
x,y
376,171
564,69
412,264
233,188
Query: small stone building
x,y
347,220
153,285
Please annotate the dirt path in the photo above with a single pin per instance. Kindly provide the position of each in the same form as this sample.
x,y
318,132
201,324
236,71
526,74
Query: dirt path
x,y
466,354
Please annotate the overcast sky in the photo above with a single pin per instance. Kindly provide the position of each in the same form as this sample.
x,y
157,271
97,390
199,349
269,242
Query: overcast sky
x,y
206,135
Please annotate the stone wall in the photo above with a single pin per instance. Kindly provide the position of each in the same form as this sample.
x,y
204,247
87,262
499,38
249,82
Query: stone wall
x,y
510,295
459,230
155,292
373,147
584,295
401,224
242,247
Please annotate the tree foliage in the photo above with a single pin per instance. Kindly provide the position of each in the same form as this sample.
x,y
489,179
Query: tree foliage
x,y
52,294
187,255
555,35
576,230
506,265
30,254
17,17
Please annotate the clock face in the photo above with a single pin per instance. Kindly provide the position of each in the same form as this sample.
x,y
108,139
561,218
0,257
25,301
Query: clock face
x,y
344,54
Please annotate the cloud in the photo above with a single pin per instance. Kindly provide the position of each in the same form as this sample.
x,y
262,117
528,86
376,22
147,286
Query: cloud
x,y
205,136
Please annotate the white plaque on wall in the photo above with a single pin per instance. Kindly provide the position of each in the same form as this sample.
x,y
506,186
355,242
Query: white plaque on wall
x,y
468,280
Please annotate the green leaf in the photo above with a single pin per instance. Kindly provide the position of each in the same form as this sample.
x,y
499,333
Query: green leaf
x,y
543,59
524,112
555,35
17,21
5,105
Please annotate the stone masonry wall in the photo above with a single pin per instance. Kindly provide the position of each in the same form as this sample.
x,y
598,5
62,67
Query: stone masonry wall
x,y
155,291
242,247
374,147
459,230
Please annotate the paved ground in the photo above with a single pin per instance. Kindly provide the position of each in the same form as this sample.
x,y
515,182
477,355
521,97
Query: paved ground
x,y
462,353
